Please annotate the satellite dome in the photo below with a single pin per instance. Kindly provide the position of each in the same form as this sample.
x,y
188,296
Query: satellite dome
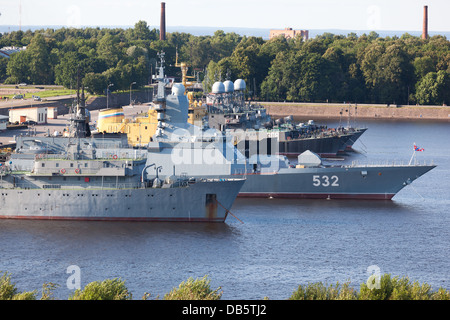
x,y
229,86
239,85
178,89
218,87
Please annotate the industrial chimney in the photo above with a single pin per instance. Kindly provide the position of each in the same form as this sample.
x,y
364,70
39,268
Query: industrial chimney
x,y
425,23
162,27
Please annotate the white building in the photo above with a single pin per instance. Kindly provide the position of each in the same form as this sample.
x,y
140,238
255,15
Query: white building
x,y
22,114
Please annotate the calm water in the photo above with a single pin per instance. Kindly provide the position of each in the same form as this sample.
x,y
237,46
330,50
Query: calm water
x,y
282,243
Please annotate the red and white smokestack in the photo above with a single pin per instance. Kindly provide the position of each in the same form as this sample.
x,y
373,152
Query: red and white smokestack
x,y
162,27
425,23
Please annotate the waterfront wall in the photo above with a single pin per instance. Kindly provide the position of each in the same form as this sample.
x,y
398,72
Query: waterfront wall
x,y
363,111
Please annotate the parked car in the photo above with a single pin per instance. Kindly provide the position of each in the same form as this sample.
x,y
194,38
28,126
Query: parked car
x,y
18,96
36,98
29,122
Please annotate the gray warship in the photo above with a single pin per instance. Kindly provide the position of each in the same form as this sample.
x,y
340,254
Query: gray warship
x,y
85,178
228,111
210,153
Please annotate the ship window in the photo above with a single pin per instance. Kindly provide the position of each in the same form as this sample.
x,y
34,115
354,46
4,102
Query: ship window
x,y
43,165
85,165
57,165
71,165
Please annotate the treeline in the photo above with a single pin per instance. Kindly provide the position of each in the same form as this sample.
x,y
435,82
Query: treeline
x,y
388,288
333,68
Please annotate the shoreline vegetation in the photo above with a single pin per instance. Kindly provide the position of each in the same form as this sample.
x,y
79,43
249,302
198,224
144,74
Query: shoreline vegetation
x,y
330,67
385,287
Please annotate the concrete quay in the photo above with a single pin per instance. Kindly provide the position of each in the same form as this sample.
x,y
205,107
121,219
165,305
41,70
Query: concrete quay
x,y
363,111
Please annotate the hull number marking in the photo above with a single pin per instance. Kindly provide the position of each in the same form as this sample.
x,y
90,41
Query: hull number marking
x,y
325,181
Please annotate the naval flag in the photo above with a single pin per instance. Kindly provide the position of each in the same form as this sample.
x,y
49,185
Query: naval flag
x,y
416,148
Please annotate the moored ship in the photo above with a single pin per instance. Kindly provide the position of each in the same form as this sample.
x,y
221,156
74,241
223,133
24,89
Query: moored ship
x,y
210,153
78,177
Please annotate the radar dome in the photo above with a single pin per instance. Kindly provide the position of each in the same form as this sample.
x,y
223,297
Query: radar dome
x,y
178,89
229,86
239,85
218,87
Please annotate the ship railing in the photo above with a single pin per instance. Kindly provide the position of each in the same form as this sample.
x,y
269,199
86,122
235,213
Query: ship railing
x,y
391,163
104,186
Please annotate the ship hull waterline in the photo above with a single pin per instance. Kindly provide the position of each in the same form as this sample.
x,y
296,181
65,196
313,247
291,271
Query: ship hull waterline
x,y
193,204
358,183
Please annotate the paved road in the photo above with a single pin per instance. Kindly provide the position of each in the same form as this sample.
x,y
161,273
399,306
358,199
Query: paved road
x,y
30,102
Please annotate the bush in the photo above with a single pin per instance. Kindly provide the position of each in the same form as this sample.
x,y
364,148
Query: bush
x,y
8,290
198,289
319,291
106,290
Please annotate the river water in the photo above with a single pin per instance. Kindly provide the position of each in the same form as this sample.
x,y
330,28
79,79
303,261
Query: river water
x,y
279,245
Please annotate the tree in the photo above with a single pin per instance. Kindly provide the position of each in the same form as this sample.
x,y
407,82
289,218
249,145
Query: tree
x,y
434,88
114,289
18,68
40,64
422,66
198,289
108,49
66,70
95,83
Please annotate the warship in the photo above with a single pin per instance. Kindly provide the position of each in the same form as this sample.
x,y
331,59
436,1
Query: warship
x,y
79,177
227,110
181,147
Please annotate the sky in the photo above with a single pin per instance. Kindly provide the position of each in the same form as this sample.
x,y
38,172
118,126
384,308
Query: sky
x,y
277,14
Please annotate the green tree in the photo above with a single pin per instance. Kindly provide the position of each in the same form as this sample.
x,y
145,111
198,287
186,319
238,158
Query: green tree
x,y
66,70
422,66
40,64
110,289
95,83
108,50
434,88
17,69
198,289
8,290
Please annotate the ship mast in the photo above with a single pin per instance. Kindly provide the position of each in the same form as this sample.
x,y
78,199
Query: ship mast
x,y
78,127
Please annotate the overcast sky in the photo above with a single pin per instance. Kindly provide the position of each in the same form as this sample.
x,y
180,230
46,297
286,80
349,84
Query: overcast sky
x,y
298,14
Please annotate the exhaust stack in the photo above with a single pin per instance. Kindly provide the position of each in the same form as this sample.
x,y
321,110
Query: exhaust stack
x,y
425,23
162,27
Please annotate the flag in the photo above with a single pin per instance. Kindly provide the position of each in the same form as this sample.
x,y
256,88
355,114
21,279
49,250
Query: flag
x,y
416,148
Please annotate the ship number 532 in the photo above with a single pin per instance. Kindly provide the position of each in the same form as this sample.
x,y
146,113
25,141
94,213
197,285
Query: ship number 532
x,y
325,181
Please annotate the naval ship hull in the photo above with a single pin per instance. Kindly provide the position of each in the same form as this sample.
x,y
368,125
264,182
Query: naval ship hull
x,y
323,146
199,202
349,144
380,182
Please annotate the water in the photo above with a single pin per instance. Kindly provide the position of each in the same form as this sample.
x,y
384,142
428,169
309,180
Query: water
x,y
281,244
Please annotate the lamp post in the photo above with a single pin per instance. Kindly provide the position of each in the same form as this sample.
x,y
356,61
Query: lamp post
x,y
130,91
107,94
